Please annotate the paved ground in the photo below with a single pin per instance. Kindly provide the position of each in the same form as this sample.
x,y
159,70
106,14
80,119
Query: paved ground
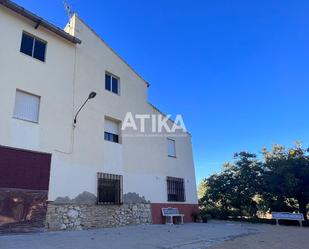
x,y
189,236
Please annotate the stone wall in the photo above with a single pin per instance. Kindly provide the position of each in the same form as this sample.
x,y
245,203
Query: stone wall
x,y
89,216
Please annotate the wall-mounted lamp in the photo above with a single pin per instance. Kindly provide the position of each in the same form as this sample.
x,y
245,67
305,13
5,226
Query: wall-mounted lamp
x,y
91,96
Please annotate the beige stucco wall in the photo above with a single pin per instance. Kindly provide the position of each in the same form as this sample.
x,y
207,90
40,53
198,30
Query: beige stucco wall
x,y
80,153
53,80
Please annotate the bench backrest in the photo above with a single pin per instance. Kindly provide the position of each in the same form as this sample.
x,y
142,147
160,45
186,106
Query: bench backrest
x,y
170,211
287,216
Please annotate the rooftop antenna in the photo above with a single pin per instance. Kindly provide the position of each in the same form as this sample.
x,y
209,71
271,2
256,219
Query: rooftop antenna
x,y
68,9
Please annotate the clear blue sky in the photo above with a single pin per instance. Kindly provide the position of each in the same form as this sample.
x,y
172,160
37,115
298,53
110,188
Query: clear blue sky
x,y
238,71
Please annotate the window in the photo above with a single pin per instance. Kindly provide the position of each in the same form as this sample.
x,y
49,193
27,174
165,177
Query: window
x,y
175,189
171,147
111,137
111,131
33,47
111,83
109,189
27,106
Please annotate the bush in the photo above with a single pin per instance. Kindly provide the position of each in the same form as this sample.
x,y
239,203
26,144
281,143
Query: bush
x,y
205,217
221,214
196,216
235,215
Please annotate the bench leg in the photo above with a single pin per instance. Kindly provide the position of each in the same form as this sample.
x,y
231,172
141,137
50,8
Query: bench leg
x,y
179,220
169,220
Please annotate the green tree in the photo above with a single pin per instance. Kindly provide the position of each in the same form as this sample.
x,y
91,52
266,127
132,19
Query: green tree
x,y
201,189
236,187
286,177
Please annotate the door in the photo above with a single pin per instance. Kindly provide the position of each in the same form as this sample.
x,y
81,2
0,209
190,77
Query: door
x,y
24,183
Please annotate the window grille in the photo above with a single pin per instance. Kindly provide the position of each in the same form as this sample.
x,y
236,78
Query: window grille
x,y
109,189
175,189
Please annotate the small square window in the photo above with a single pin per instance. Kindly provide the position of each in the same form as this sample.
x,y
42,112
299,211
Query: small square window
x,y
33,47
111,83
27,106
171,147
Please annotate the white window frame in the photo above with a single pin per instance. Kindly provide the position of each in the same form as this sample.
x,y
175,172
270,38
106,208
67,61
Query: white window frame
x,y
38,108
168,151
111,84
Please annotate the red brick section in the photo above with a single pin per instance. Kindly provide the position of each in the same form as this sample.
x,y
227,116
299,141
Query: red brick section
x,y
186,209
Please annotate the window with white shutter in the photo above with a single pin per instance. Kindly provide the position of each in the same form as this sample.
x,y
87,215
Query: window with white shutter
x,y
111,131
27,106
171,147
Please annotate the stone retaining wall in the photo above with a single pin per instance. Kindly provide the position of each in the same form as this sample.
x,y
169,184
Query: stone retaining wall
x,y
83,216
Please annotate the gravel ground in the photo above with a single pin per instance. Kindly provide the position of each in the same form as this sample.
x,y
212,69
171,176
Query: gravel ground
x,y
270,237
214,235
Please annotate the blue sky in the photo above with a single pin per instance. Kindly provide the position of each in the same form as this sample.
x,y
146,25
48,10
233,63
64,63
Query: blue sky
x,y
236,70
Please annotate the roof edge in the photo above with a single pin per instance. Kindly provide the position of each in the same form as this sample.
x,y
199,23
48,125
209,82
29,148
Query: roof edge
x,y
162,113
123,60
39,21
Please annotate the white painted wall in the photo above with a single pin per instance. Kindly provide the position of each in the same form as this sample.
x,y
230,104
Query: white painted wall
x,y
53,80
80,153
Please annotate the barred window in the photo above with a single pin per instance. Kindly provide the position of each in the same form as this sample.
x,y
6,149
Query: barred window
x,y
175,189
109,189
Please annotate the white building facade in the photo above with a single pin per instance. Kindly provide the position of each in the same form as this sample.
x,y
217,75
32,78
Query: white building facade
x,y
46,75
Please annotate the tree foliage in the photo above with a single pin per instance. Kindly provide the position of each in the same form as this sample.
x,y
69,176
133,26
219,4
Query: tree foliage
x,y
201,189
286,176
277,182
236,186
